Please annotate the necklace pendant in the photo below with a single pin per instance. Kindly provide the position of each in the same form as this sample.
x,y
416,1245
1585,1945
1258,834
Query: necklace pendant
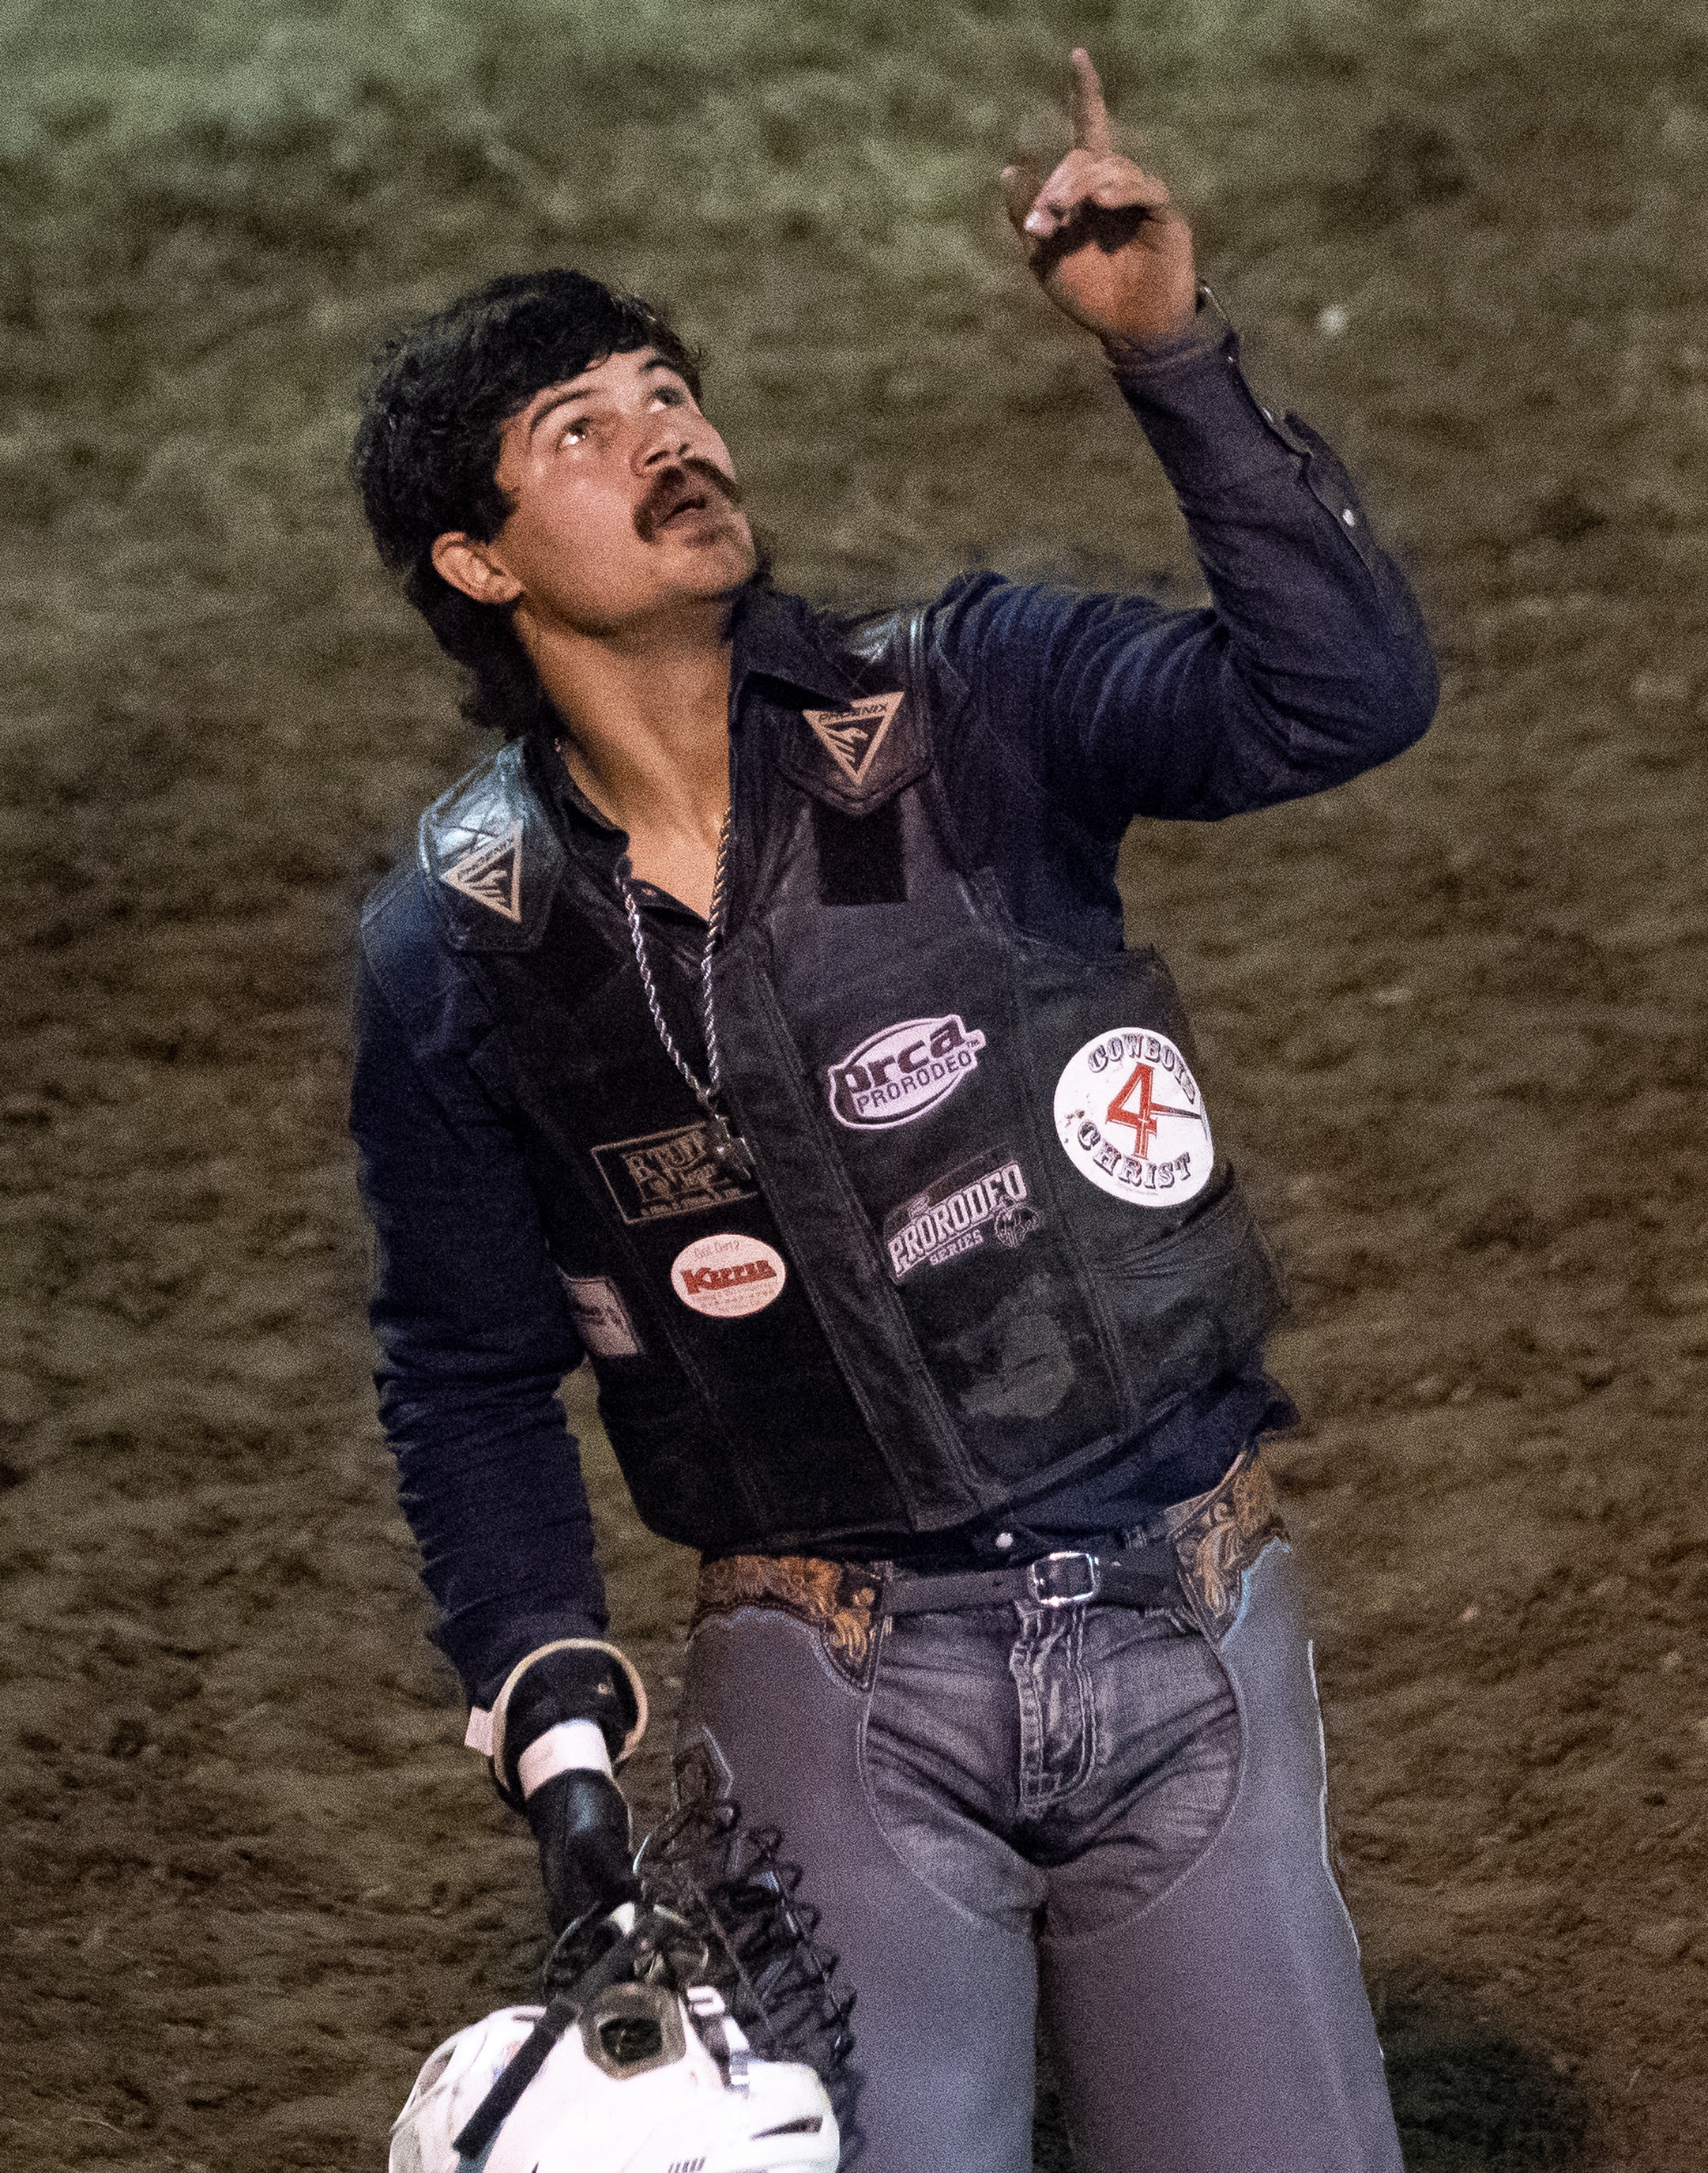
x,y
729,1149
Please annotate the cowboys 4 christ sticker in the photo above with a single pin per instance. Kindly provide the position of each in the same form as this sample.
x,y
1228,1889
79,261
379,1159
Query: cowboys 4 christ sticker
x,y
953,1215
1131,1119
901,1071
727,1275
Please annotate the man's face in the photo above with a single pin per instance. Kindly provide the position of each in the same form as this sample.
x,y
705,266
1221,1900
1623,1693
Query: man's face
x,y
624,498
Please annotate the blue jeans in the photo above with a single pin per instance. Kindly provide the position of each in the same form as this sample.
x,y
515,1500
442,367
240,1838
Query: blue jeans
x,y
1049,1766
1103,1810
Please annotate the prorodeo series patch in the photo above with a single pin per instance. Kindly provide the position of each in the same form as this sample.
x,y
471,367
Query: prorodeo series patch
x,y
663,1173
852,737
903,1071
1130,1117
601,1318
952,1216
491,874
728,1274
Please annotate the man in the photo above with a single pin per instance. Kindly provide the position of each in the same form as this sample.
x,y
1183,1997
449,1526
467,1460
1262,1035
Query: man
x,y
756,1023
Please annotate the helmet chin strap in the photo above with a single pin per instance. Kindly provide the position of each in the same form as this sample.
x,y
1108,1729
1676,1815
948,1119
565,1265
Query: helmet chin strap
x,y
635,1944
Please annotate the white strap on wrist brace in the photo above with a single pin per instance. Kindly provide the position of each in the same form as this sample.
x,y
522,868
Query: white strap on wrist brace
x,y
572,1746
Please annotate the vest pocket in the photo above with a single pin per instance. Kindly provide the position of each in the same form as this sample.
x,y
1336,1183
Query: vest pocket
x,y
1196,1302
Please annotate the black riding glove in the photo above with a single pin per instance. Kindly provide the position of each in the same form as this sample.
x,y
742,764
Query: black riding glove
x,y
581,1823
577,1812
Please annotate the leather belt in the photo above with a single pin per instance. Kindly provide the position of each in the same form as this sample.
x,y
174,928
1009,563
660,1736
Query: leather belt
x,y
1195,1566
1149,1578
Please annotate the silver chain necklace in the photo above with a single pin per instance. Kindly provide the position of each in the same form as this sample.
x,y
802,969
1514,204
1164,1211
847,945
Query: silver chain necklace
x,y
729,1149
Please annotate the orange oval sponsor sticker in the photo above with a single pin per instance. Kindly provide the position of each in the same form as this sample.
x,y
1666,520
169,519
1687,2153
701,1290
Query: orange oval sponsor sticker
x,y
728,1274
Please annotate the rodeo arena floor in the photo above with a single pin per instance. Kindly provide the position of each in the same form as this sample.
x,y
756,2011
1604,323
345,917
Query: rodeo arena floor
x,y
1452,1015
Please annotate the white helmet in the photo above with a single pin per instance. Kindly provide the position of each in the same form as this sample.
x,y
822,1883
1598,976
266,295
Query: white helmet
x,y
629,2088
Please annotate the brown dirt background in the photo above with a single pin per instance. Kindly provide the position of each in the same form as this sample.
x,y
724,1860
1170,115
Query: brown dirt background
x,y
1452,1015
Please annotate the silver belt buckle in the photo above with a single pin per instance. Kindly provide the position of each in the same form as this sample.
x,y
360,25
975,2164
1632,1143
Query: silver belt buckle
x,y
1065,1598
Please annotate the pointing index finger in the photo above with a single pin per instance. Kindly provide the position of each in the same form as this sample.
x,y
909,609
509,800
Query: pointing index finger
x,y
1093,131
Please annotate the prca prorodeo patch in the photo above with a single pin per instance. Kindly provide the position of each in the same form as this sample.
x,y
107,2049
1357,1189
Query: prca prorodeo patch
x,y
728,1274
903,1071
1130,1117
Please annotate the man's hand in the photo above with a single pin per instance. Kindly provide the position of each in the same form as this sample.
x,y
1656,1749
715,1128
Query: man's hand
x,y
563,1715
580,1821
1102,235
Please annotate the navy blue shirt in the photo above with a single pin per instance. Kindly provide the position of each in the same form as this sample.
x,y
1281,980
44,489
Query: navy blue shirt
x,y
1084,711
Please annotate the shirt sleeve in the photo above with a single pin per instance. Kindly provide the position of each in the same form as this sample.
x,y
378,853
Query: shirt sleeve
x,y
474,1338
1311,665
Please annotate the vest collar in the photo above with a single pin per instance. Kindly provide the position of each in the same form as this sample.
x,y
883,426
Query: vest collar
x,y
779,637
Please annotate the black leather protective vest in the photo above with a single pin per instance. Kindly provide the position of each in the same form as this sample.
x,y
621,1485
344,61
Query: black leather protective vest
x,y
989,1240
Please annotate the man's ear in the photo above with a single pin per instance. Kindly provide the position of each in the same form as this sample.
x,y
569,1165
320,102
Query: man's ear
x,y
472,567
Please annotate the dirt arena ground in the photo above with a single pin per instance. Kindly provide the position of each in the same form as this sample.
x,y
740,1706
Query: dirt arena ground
x,y
1453,1016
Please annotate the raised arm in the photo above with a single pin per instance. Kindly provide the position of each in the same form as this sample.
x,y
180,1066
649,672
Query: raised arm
x,y
1313,663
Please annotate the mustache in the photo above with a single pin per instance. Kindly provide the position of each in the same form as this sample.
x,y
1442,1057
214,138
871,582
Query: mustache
x,y
676,487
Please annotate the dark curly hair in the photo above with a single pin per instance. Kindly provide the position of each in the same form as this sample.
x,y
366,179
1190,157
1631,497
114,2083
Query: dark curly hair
x,y
426,454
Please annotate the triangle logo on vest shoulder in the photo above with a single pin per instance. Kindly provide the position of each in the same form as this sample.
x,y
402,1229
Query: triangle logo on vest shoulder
x,y
491,873
852,737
